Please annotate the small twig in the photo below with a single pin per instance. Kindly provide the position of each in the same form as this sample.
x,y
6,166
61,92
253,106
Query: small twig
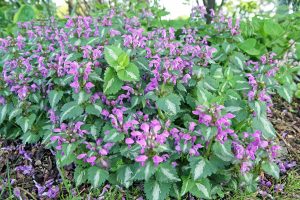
x,y
289,146
27,193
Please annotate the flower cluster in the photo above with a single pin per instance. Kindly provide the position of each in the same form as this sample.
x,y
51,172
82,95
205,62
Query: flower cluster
x,y
116,100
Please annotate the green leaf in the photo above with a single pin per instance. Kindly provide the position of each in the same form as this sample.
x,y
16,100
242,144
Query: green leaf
x,y
259,108
142,63
79,176
123,60
130,73
70,110
218,74
272,28
297,52
208,132
202,189
249,46
210,83
124,175
74,56
265,126
170,104
111,55
97,176
286,93
30,138
3,111
14,113
166,173
94,109
175,192
238,59
93,40
187,185
25,13
203,96
223,151
113,136
26,122
66,155
112,84
271,168
145,172
81,97
261,122
250,181
55,97
155,190
201,168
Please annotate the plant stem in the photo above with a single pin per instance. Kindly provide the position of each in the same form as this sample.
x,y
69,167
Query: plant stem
x,y
160,114
8,179
27,193
209,147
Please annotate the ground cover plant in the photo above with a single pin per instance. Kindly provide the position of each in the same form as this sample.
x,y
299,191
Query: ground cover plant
x,y
179,111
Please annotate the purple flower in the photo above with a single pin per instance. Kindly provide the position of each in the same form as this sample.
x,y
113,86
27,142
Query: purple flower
x,y
114,32
81,156
279,187
129,141
245,167
88,86
52,116
25,169
103,152
53,192
91,160
274,149
210,51
96,54
239,150
17,192
75,85
157,159
141,159
145,127
22,92
2,100
87,71
20,42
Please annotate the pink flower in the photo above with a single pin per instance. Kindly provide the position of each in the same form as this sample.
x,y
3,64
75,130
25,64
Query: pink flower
x,y
75,85
142,142
136,133
91,160
103,152
55,138
87,71
157,159
81,156
141,159
129,141
145,127
105,113
245,167
88,86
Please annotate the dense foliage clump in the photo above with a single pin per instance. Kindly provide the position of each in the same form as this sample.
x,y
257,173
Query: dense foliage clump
x,y
178,110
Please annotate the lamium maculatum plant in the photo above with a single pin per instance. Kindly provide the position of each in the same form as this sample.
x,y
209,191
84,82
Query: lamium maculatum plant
x,y
177,111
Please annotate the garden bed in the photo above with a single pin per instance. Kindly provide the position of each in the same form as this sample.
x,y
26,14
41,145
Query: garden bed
x,y
33,173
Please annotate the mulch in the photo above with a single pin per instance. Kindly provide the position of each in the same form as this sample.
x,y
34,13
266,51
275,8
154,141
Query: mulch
x,y
286,120
13,154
